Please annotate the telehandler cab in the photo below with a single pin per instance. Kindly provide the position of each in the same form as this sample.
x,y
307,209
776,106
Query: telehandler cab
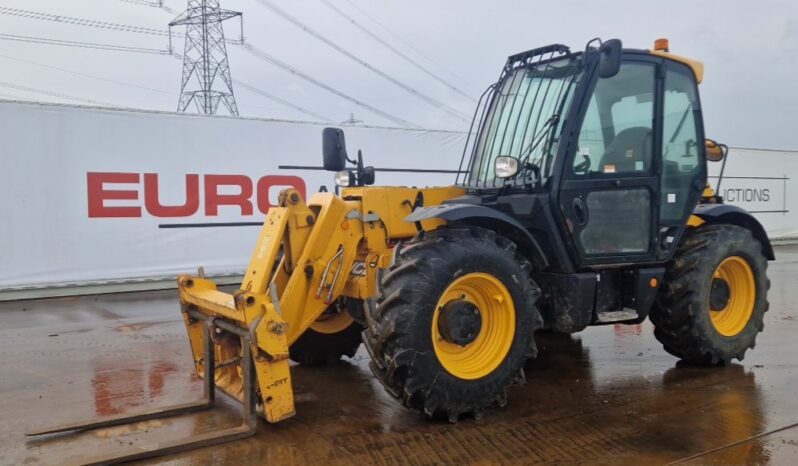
x,y
582,199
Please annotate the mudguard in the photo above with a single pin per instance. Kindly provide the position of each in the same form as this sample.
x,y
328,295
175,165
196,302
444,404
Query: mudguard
x,y
725,213
489,218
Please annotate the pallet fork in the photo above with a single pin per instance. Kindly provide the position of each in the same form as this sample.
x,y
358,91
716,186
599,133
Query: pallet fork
x,y
304,261
247,428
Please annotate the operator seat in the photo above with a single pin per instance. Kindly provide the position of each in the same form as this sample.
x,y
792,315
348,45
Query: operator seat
x,y
630,151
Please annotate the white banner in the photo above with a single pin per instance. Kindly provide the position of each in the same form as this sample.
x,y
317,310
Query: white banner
x,y
760,182
95,196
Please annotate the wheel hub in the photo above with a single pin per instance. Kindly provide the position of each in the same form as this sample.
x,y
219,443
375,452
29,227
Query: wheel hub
x,y
719,294
733,292
459,322
478,327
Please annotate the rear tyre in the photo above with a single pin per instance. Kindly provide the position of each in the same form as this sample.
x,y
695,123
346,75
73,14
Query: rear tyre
x,y
711,306
333,335
454,322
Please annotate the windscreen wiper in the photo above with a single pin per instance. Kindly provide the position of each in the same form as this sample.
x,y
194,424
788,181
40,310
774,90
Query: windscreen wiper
x,y
534,143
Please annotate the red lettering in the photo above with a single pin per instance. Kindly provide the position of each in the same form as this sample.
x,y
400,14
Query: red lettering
x,y
97,194
267,182
156,209
213,199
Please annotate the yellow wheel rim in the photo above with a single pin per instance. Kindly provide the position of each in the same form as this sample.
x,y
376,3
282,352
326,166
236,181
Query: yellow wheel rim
x,y
332,323
732,318
490,346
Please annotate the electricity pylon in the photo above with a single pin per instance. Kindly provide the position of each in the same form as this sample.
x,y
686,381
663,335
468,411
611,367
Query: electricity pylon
x,y
205,58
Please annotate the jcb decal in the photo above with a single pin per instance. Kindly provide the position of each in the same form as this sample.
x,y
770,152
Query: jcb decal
x,y
277,383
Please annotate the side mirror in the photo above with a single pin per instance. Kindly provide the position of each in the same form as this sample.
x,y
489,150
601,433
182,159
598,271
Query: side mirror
x,y
609,58
715,151
333,149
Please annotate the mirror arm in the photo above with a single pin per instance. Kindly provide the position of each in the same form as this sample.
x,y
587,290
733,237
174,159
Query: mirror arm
x,y
588,48
359,167
725,149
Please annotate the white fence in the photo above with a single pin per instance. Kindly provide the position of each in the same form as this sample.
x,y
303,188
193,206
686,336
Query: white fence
x,y
94,196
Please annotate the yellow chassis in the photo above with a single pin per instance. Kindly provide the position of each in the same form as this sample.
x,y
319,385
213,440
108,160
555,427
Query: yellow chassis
x,y
320,242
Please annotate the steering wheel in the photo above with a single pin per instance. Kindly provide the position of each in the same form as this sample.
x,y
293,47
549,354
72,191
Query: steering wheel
x,y
584,166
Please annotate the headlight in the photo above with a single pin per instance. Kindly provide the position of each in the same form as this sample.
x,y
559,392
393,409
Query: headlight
x,y
505,167
343,178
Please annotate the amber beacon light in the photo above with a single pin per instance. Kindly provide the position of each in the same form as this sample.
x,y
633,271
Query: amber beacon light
x,y
661,45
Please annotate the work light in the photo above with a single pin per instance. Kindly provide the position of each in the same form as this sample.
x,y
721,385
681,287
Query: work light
x,y
505,167
344,178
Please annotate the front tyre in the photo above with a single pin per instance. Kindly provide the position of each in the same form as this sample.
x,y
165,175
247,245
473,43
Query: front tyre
x,y
711,306
454,322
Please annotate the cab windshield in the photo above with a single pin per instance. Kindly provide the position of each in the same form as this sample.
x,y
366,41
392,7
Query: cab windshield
x,y
523,120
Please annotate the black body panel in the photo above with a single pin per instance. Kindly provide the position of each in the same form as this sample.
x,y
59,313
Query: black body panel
x,y
725,213
567,301
463,211
571,302
645,290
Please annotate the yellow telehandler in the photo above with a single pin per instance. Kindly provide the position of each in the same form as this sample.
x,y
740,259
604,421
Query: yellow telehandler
x,y
581,199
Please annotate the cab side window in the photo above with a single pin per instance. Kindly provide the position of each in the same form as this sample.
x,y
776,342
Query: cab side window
x,y
680,146
617,132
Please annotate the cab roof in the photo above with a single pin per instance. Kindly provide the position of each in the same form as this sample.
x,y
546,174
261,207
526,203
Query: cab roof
x,y
695,65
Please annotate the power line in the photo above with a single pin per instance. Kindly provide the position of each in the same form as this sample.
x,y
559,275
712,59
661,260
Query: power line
x,y
282,13
10,97
55,94
89,45
81,21
396,51
274,61
75,21
279,100
154,4
274,98
161,91
86,75
407,44
144,30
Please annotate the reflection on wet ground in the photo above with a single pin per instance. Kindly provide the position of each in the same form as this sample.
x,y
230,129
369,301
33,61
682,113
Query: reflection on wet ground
x,y
607,395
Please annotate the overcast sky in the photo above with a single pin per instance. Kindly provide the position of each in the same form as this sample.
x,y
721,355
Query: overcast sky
x,y
750,50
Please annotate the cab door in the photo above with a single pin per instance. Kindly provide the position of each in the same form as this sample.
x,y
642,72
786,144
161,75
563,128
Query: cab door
x,y
609,189
620,200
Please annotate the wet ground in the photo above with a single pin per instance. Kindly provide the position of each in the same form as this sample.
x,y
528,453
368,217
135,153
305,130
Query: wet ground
x,y
607,395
